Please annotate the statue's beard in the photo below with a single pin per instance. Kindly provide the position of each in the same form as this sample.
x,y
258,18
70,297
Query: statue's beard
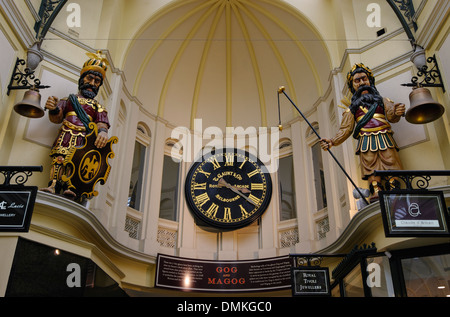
x,y
366,100
85,92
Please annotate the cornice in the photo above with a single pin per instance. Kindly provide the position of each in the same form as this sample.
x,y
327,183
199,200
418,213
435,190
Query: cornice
x,y
82,219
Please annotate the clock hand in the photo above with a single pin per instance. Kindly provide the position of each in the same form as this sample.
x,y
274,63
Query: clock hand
x,y
223,182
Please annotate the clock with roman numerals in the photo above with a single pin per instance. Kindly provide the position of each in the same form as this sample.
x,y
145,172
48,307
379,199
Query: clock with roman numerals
x,y
228,189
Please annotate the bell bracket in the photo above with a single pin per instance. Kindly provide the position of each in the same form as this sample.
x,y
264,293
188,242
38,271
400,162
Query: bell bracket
x,y
428,77
20,79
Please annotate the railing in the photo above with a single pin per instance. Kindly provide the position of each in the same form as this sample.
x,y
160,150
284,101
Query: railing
x,y
411,179
17,174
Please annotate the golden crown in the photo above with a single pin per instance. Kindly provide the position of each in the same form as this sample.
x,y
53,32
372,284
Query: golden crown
x,y
96,62
367,70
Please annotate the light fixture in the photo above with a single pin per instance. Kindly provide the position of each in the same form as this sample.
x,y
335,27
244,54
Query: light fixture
x,y
34,56
423,109
23,76
419,58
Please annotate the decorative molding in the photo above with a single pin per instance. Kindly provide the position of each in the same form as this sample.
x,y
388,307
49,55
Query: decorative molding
x,y
83,220
427,32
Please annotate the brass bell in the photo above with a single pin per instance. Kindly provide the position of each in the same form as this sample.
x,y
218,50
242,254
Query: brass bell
x,y
30,106
423,109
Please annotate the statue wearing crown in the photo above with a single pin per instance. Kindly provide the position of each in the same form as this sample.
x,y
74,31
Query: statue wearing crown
x,y
82,119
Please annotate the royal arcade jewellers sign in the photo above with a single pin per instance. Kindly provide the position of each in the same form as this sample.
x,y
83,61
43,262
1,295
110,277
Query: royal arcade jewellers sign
x,y
223,276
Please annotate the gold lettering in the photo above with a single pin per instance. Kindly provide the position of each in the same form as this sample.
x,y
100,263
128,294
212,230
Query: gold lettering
x,y
227,214
215,163
251,174
203,172
229,157
202,199
201,186
255,199
244,212
257,186
212,210
243,163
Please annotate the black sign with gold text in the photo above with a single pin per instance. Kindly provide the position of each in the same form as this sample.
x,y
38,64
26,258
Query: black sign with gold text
x,y
223,276
16,208
310,281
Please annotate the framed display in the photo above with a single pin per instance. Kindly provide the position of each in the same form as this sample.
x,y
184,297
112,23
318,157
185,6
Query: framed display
x,y
16,207
310,281
413,213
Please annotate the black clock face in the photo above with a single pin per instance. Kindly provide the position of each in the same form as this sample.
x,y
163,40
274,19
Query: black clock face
x,y
228,189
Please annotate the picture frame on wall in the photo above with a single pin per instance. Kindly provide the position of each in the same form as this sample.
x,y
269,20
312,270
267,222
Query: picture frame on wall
x,y
414,213
16,207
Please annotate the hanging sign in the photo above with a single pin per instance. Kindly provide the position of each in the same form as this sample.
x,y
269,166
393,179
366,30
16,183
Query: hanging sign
x,y
223,276
16,207
413,213
310,281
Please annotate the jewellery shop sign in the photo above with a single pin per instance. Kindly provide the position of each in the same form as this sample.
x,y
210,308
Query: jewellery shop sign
x,y
16,207
223,276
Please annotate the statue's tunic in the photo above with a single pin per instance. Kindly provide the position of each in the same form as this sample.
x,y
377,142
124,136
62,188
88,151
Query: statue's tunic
x,y
72,131
376,146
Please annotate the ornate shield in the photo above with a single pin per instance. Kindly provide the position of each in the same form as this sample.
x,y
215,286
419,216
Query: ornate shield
x,y
88,165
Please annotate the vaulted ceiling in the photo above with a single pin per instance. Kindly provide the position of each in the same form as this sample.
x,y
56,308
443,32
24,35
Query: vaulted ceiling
x,y
223,61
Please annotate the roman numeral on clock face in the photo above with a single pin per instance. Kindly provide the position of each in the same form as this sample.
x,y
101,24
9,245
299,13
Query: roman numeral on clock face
x,y
212,210
202,199
198,186
257,186
252,173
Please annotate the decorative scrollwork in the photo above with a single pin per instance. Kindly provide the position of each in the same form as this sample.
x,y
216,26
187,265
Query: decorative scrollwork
x,y
411,179
407,8
308,260
17,175
22,78
428,77
48,11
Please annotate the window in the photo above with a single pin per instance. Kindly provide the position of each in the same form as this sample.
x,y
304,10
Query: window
x,y
319,176
169,189
137,171
353,283
380,275
287,188
427,276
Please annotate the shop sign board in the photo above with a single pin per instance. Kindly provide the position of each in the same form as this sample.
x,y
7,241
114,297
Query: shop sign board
x,y
414,213
223,276
16,207
310,281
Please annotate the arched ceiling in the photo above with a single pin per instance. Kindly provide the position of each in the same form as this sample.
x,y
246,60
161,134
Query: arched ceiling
x,y
223,61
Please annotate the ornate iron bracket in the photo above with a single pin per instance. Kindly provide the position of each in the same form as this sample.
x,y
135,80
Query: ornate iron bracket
x,y
20,79
431,76
311,259
48,11
408,8
307,260
411,179
17,174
